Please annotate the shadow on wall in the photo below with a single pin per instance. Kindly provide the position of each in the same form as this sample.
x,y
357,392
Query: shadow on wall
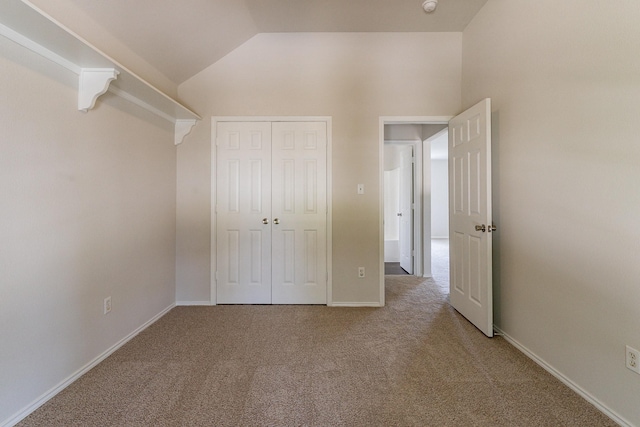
x,y
495,203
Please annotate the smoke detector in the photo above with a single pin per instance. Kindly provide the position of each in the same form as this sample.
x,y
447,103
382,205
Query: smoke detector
x,y
429,6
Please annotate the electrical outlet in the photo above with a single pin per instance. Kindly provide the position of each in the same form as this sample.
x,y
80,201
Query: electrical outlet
x,y
360,272
107,305
633,359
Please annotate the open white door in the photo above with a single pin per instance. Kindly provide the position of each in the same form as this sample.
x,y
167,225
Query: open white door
x,y
406,209
470,218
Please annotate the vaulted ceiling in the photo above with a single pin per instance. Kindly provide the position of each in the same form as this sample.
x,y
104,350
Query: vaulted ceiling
x,y
182,37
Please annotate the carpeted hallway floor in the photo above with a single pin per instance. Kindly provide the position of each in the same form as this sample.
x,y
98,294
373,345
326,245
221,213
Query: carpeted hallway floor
x,y
415,362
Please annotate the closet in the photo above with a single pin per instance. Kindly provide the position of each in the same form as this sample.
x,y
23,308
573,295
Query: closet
x,y
271,212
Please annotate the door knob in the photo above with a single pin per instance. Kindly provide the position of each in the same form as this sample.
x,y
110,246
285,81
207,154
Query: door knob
x,y
481,228
276,221
492,228
399,214
265,221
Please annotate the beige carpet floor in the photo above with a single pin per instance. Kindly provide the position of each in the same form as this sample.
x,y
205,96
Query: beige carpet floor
x,y
415,362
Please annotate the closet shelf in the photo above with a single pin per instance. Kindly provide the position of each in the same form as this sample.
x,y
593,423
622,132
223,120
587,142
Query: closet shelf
x,y
97,73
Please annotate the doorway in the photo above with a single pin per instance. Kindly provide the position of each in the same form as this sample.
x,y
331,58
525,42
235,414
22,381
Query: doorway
x,y
417,133
399,173
440,209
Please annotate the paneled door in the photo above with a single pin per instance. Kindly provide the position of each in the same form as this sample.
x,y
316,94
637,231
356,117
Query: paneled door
x,y
471,227
271,213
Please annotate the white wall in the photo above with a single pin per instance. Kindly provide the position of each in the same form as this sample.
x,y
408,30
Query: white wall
x,y
77,20
403,132
87,210
353,77
565,82
440,199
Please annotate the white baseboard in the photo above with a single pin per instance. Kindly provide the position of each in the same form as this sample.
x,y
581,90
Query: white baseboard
x,y
355,304
573,386
22,414
190,303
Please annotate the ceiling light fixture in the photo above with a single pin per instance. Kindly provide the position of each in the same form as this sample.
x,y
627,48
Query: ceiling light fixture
x,y
429,6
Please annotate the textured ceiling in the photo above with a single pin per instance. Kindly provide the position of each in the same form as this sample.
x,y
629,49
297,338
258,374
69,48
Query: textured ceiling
x,y
181,38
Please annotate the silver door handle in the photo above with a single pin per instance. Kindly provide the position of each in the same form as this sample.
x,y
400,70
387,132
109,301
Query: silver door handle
x,y
276,221
265,220
481,228
492,228
399,214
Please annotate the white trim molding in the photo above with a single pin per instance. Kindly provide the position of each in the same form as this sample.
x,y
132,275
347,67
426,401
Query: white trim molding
x,y
564,379
375,304
16,418
192,303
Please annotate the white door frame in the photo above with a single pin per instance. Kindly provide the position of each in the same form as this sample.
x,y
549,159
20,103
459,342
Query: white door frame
x,y
213,256
421,246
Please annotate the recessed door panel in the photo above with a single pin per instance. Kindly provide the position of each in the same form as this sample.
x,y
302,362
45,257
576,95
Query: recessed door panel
x,y
311,140
233,256
474,249
288,199
310,188
256,177
457,274
288,260
311,257
256,260
233,190
475,183
255,139
457,184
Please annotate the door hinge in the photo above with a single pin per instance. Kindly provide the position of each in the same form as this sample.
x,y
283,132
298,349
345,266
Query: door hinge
x,y
216,276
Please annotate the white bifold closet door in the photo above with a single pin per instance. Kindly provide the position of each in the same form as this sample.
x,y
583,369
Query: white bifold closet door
x,y
271,213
